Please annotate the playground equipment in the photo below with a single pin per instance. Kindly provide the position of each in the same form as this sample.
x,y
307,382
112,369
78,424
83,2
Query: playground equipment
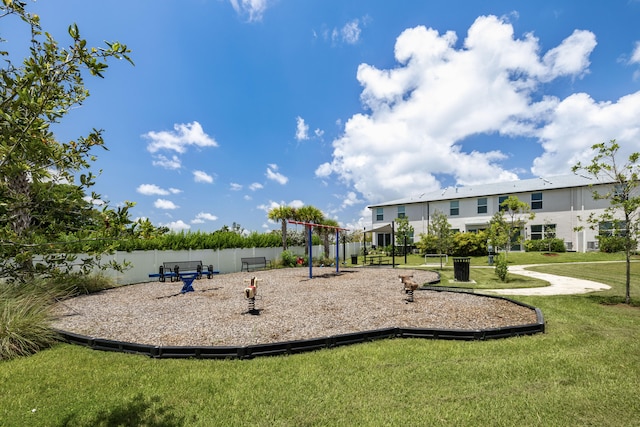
x,y
309,226
250,293
409,285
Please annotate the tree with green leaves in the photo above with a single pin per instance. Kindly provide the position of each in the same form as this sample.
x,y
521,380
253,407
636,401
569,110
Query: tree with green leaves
x,y
282,214
403,230
505,227
623,212
325,233
309,214
440,228
44,182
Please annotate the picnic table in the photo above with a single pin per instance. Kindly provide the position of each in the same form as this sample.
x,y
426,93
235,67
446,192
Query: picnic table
x,y
373,258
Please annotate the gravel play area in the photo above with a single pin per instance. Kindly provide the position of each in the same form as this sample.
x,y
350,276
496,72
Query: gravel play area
x,y
290,306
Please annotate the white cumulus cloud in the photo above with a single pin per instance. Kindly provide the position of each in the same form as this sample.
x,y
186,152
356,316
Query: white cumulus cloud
x,y
256,186
578,122
165,204
177,225
418,113
182,137
273,174
168,163
200,176
151,190
302,129
202,217
350,199
272,205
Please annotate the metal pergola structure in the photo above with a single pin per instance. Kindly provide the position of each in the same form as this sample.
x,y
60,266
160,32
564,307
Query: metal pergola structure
x,y
309,226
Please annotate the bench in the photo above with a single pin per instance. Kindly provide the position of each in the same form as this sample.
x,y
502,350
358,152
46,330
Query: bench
x,y
439,256
174,269
259,261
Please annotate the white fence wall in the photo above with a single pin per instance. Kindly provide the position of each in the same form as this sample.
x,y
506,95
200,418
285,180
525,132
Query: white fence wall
x,y
143,263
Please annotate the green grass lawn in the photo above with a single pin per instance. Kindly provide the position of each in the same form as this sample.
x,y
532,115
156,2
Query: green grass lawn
x,y
515,258
584,370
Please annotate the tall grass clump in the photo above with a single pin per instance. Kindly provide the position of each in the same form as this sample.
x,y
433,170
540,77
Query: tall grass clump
x,y
25,310
71,285
25,315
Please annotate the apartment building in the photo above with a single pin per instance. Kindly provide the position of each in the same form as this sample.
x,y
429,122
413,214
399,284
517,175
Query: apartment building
x,y
561,206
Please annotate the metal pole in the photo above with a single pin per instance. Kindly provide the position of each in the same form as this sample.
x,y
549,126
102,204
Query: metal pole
x,y
405,249
337,251
310,253
393,245
364,242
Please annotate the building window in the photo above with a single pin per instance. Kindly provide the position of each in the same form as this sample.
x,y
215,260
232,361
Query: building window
x,y
536,200
619,192
612,228
401,213
546,231
515,239
379,214
536,232
501,199
482,205
454,208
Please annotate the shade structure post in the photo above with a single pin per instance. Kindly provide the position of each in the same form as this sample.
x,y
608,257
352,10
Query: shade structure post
x,y
337,251
393,245
310,252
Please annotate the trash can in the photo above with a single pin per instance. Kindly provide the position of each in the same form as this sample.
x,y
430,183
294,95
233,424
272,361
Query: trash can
x,y
461,269
354,259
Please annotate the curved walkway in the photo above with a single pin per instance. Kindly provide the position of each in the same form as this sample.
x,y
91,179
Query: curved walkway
x,y
558,285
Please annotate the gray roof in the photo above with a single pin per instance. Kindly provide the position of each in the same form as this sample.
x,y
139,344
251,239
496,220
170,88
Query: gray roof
x,y
498,188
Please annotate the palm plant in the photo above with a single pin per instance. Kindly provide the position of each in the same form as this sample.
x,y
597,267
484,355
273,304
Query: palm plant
x,y
282,214
309,214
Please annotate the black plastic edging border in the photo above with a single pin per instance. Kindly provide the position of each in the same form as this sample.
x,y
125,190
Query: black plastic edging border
x,y
300,346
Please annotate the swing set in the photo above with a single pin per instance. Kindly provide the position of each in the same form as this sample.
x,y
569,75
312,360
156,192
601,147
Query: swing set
x,y
309,226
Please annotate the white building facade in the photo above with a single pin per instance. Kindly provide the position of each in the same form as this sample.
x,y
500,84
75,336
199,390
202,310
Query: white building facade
x,y
561,205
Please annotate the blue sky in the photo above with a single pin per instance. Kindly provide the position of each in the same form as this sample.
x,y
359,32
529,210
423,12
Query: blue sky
x,y
234,107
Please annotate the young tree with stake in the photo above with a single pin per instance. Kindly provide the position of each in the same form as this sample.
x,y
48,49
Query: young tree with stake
x,y
623,196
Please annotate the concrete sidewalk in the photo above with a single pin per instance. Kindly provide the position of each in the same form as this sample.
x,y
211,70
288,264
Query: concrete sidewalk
x,y
559,285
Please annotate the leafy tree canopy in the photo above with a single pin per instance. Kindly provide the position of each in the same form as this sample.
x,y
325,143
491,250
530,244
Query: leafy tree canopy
x,y
44,182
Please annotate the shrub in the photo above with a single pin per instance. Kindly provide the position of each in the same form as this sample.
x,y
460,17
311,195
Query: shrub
x,y
545,245
323,261
470,244
611,244
289,259
502,268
